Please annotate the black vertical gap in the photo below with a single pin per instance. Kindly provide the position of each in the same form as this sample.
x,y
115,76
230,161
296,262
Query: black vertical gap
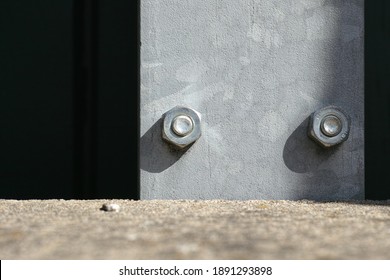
x,y
377,99
85,29
138,116
118,103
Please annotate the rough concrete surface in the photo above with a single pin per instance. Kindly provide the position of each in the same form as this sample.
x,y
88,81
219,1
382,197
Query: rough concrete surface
x,y
179,229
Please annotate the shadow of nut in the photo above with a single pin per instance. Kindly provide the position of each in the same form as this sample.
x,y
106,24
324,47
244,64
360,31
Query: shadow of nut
x,y
181,126
329,126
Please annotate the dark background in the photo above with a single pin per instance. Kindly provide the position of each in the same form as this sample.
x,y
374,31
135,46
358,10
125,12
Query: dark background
x,y
69,98
377,99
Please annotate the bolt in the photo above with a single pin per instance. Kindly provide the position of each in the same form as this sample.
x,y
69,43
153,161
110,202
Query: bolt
x,y
182,125
331,125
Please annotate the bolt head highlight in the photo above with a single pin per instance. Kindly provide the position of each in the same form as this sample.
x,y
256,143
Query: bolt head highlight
x,y
182,125
331,126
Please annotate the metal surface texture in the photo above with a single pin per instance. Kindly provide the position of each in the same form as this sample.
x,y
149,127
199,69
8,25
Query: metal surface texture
x,y
329,126
256,70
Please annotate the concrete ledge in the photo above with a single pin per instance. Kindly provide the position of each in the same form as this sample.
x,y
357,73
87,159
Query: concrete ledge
x,y
78,229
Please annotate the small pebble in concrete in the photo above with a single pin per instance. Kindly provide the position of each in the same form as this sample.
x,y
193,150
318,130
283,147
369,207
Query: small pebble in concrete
x,y
110,207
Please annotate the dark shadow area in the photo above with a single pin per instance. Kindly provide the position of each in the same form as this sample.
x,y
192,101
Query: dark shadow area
x,y
377,99
118,100
36,73
69,99
303,155
85,48
155,154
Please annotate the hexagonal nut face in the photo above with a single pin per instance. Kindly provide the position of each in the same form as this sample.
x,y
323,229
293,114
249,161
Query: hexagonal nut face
x,y
181,126
329,126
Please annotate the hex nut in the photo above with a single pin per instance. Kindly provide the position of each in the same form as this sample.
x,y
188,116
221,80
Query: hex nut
x,y
329,126
181,126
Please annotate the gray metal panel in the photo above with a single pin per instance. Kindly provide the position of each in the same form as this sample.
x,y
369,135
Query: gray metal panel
x,y
255,70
